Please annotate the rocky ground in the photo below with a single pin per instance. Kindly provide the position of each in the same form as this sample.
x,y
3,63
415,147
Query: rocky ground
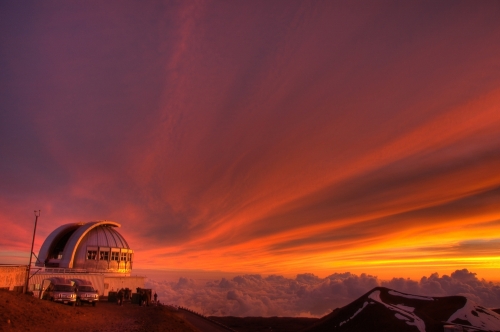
x,y
266,324
19,312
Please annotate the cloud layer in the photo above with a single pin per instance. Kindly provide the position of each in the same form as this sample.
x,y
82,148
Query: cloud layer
x,y
257,137
307,294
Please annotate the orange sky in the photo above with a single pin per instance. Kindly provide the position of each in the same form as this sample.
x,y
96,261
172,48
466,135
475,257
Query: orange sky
x,y
257,137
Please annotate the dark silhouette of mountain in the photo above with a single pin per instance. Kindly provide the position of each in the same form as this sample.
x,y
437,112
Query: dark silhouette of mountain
x,y
383,309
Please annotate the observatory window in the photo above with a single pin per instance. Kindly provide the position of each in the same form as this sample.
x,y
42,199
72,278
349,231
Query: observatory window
x,y
104,255
92,254
123,256
114,256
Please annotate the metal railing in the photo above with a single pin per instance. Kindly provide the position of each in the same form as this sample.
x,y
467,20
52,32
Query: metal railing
x,y
63,270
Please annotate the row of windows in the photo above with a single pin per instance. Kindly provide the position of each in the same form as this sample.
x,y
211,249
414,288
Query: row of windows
x,y
104,256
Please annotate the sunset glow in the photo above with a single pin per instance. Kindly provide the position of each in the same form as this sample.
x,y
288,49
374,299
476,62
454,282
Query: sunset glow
x,y
257,137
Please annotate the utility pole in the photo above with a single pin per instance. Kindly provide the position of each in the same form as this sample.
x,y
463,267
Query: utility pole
x,y
37,214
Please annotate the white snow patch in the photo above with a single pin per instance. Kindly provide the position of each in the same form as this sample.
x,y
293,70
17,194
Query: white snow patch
x,y
357,312
409,317
485,319
375,296
405,308
399,316
408,296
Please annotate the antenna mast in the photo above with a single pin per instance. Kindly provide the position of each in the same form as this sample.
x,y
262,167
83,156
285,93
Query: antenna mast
x,y
37,214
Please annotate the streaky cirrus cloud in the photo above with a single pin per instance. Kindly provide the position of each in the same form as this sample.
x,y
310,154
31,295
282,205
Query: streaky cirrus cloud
x,y
257,137
308,294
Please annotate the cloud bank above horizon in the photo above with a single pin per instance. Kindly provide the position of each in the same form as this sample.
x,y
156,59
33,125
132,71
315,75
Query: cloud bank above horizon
x,y
307,294
257,137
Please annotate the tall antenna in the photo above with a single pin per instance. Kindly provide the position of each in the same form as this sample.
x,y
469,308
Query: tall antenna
x,y
37,214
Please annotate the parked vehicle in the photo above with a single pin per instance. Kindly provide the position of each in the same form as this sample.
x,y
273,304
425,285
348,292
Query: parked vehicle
x,y
85,292
59,290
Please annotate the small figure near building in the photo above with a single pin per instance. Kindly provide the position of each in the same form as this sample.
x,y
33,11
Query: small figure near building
x,y
144,296
120,296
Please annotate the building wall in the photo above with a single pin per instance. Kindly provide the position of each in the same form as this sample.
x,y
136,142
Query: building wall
x,y
102,283
96,279
115,283
13,277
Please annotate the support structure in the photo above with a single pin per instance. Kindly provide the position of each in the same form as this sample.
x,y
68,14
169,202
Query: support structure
x,y
37,214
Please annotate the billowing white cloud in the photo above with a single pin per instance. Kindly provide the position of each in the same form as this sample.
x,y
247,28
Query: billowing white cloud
x,y
460,282
307,294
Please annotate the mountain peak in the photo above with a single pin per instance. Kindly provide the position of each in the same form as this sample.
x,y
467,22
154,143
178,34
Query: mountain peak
x,y
384,309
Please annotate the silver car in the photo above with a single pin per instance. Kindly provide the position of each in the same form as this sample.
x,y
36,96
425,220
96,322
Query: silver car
x,y
85,292
59,290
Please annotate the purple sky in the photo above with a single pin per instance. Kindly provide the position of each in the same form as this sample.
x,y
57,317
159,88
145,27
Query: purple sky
x,y
270,137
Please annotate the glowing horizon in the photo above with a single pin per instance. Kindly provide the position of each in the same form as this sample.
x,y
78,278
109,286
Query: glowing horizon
x,y
257,137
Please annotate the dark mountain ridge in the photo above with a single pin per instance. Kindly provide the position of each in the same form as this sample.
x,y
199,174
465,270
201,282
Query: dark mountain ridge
x,y
383,309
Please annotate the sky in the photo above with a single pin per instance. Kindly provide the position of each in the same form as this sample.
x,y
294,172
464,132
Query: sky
x,y
257,137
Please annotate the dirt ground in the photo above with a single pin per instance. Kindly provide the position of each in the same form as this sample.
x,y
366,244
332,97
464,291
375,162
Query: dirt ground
x,y
20,312
266,324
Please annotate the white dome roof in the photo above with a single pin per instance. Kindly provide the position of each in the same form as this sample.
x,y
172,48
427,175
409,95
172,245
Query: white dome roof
x,y
104,236
93,246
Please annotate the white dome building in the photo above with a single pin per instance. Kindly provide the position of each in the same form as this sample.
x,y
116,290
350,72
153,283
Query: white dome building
x,y
88,247
94,251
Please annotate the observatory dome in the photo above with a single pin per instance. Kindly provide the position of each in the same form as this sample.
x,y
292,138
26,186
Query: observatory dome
x,y
94,246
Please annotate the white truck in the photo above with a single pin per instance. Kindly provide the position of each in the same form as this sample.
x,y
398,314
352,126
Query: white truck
x,y
58,290
85,292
